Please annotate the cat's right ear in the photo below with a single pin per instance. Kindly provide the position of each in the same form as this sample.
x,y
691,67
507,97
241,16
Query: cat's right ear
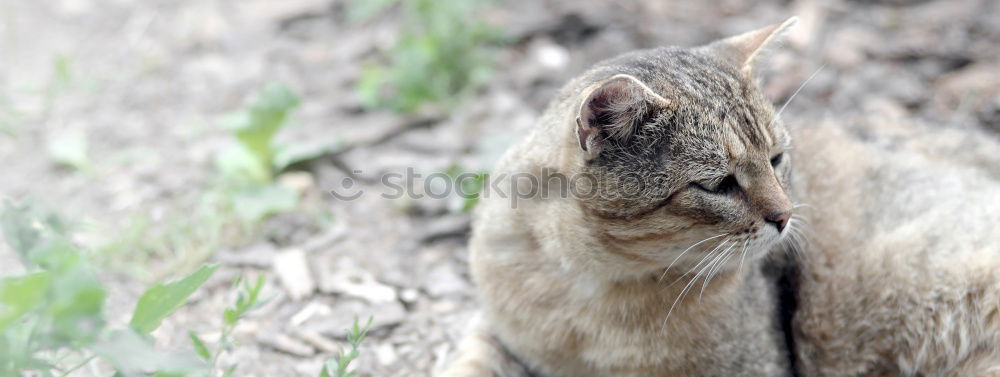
x,y
613,111
741,50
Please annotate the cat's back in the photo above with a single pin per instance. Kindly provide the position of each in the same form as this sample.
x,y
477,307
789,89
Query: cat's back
x,y
903,274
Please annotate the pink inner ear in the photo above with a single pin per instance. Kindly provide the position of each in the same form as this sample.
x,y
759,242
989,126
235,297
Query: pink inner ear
x,y
584,133
615,106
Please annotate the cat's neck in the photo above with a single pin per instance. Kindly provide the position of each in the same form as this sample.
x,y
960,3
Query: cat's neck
x,y
670,302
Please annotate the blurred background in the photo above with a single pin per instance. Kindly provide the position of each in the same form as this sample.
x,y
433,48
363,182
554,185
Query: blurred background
x,y
143,140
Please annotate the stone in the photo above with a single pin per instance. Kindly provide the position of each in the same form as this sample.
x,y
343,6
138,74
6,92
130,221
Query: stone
x,y
385,354
548,54
409,295
299,181
317,340
292,268
284,343
259,255
312,309
350,280
443,280
340,320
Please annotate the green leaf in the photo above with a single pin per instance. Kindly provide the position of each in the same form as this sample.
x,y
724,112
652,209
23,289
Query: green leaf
x,y
257,202
16,349
440,56
199,346
63,70
70,149
254,128
361,11
75,302
369,86
169,374
132,354
160,300
229,371
247,300
19,228
359,333
239,164
252,294
338,366
21,294
71,310
276,97
327,366
56,254
289,155
230,316
25,226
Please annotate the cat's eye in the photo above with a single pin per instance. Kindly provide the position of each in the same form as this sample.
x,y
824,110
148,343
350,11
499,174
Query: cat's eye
x,y
726,185
777,160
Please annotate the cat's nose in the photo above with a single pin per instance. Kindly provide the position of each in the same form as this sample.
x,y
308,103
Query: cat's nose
x,y
778,219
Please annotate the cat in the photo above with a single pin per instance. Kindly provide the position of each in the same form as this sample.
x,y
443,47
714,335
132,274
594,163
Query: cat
x,y
662,272
902,274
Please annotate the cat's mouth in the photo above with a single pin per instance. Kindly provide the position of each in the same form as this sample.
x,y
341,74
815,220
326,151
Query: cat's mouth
x,y
729,250
725,251
748,246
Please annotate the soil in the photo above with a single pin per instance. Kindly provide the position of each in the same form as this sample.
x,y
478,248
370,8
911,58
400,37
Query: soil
x,y
145,83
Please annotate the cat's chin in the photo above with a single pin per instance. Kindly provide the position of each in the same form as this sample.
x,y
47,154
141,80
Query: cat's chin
x,y
764,242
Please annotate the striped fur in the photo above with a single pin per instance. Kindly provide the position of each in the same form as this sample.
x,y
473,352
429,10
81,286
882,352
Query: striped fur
x,y
903,276
657,276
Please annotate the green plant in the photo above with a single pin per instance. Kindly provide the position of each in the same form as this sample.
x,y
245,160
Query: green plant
x,y
469,186
439,56
61,83
226,212
251,159
162,299
70,149
249,165
10,116
53,313
247,299
337,367
182,239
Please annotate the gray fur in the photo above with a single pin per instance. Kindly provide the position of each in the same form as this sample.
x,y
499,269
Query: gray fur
x,y
666,282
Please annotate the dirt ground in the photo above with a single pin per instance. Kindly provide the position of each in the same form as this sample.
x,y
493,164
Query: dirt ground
x,y
149,79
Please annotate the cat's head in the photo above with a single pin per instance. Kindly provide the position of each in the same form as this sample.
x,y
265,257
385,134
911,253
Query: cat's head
x,y
683,148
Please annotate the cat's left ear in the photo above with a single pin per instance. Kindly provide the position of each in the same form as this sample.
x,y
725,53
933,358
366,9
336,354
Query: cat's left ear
x,y
741,50
613,110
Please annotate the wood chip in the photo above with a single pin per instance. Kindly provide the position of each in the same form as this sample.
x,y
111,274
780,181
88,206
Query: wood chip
x,y
284,343
292,268
322,343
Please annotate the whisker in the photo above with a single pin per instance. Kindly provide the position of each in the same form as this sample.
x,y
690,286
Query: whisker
x,y
795,94
684,252
802,205
801,218
694,279
704,259
715,270
743,257
797,240
683,293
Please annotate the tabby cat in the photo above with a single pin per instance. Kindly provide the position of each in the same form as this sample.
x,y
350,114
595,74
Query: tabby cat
x,y
661,273
903,274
